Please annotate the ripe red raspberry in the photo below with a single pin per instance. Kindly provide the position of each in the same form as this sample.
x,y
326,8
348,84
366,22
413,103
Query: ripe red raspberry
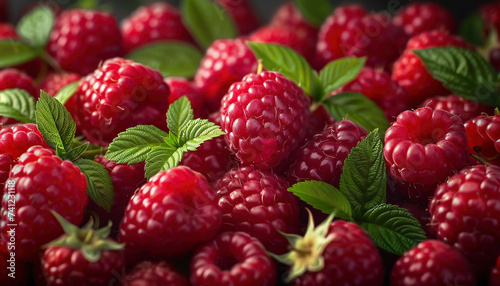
x,y
7,31
378,86
17,139
12,78
226,61
490,13
82,39
42,182
416,18
458,105
423,147
323,157
465,214
170,215
287,15
483,137
53,82
118,95
232,258
495,274
12,270
179,87
264,117
258,203
432,263
410,72
153,22
154,273
350,31
242,14
6,163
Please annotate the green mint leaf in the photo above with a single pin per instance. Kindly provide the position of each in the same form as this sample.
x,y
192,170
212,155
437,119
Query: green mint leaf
x,y
171,58
17,104
340,72
357,108
472,29
392,228
464,72
207,21
14,52
198,131
289,63
99,183
324,197
156,159
315,12
133,145
54,122
36,26
178,115
76,152
65,93
363,180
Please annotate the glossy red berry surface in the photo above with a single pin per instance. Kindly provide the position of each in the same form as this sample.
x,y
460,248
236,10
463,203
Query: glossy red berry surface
x,y
180,87
242,13
494,279
458,105
17,139
13,78
416,18
483,135
154,273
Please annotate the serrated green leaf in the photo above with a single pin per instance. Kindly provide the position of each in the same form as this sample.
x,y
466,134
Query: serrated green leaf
x,y
76,152
207,21
324,197
340,72
174,158
54,122
171,58
178,115
363,180
99,183
472,29
291,64
35,27
17,104
197,131
464,72
13,52
315,12
133,145
156,159
392,228
65,93
357,108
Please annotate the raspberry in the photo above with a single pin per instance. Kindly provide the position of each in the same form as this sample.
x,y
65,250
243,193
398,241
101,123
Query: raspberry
x,y
225,62
264,117
416,18
170,215
495,274
181,86
118,95
465,214
258,203
323,157
153,22
410,72
17,139
424,147
82,39
349,31
458,105
20,268
53,82
490,13
483,135
12,78
43,182
432,263
7,31
289,16
154,273
243,15
378,86
232,258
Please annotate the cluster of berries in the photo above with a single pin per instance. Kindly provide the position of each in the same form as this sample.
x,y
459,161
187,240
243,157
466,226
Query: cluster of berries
x,y
190,207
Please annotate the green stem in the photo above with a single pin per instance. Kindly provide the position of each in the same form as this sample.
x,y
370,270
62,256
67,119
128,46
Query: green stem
x,y
51,62
480,159
94,152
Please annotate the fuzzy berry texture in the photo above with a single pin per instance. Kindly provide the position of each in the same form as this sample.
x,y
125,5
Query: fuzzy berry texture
x,y
458,105
494,279
483,135
243,15
350,258
118,95
432,263
154,273
258,203
180,87
410,72
170,215
378,86
465,214
82,39
424,147
226,61
264,117
65,266
43,182
232,258
416,18
154,22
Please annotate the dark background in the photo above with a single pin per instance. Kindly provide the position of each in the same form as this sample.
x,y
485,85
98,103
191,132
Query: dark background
x,y
264,8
